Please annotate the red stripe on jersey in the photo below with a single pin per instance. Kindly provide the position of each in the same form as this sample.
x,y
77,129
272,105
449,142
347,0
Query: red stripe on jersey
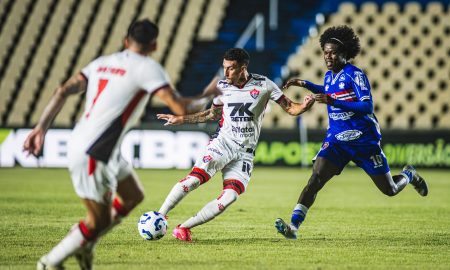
x,y
235,185
101,86
92,164
200,174
87,234
131,106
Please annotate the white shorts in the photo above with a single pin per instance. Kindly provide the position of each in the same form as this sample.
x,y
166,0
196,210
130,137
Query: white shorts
x,y
235,161
95,180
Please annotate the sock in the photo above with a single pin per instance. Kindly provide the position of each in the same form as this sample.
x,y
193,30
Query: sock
x,y
298,215
179,191
212,209
78,237
407,174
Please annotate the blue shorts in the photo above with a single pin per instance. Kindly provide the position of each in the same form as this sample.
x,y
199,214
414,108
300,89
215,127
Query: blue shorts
x,y
368,157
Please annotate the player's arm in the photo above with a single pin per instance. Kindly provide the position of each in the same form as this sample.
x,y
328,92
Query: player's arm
x,y
213,113
180,105
294,108
315,88
363,107
35,140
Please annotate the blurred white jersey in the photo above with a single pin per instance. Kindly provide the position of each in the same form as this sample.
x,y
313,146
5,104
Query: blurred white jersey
x,y
118,90
243,109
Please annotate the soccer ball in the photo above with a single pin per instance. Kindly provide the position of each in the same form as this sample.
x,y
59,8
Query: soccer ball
x,y
152,225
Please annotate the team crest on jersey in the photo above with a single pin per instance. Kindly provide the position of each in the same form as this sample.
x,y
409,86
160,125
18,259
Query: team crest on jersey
x,y
341,85
207,158
342,78
254,93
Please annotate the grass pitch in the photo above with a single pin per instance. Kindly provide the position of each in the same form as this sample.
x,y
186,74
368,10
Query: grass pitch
x,y
352,224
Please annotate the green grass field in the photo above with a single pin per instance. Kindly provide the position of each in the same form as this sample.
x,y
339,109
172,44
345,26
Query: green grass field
x,y
351,226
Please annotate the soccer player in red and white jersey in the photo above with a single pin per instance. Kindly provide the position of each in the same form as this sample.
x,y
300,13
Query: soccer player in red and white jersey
x,y
117,88
240,109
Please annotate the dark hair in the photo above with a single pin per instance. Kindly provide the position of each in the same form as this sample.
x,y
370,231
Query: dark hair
x,y
344,37
143,32
237,54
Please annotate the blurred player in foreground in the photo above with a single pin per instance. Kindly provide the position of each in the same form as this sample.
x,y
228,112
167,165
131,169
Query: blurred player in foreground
x,y
117,88
240,109
353,133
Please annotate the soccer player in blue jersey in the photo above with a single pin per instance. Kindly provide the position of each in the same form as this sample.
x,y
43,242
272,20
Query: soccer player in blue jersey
x,y
353,133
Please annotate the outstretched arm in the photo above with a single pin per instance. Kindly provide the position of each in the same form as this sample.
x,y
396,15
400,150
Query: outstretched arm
x,y
35,140
294,108
315,88
363,107
214,113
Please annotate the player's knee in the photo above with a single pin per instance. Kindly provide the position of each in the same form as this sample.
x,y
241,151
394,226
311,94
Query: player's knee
x,y
315,182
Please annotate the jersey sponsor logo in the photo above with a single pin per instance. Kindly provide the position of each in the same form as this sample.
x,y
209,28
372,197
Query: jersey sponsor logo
x,y
341,85
326,88
254,93
341,116
348,135
360,80
214,150
243,131
207,158
242,111
114,71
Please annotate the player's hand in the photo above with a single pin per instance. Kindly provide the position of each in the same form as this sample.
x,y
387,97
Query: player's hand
x,y
294,82
171,119
309,101
324,98
34,141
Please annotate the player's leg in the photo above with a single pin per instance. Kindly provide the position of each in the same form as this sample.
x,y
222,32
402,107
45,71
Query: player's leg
x,y
417,181
236,176
214,159
82,234
193,180
207,213
372,159
329,162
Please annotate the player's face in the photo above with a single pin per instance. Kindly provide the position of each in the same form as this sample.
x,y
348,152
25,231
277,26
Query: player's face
x,y
334,60
233,72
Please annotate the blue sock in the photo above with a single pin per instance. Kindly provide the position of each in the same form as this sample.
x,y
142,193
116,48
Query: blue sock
x,y
298,215
408,175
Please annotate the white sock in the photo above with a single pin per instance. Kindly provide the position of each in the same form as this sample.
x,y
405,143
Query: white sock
x,y
178,192
78,237
212,209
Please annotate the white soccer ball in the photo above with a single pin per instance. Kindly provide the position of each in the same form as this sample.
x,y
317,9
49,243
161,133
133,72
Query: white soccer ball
x,y
152,225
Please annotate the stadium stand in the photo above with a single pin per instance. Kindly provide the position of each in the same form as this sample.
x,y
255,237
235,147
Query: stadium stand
x,y
405,47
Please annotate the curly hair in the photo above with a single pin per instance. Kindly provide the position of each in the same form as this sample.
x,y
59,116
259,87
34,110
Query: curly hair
x,y
344,37
237,54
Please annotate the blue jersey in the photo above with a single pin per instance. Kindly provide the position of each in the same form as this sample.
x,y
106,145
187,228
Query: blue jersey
x,y
346,125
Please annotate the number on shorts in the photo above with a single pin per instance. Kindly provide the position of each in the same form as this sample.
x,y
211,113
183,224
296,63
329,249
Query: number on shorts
x,y
247,168
377,160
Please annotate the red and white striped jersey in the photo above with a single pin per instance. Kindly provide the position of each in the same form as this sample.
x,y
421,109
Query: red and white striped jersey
x,y
118,88
243,108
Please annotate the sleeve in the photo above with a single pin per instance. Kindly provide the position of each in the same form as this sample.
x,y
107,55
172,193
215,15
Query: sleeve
x,y
217,101
360,85
152,77
361,88
274,90
315,88
89,69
